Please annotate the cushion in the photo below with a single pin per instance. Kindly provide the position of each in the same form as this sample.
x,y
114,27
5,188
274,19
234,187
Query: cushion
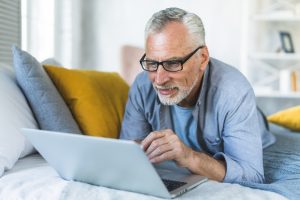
x,y
15,114
50,61
288,118
96,99
50,110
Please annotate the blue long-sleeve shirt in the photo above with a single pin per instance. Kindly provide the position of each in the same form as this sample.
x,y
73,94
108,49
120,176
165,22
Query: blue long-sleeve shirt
x,y
228,124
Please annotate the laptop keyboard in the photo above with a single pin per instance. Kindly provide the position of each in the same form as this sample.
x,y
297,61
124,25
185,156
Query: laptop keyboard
x,y
172,185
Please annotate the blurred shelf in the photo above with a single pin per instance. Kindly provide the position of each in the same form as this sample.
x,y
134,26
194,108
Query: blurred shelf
x,y
270,72
279,60
277,94
276,56
276,18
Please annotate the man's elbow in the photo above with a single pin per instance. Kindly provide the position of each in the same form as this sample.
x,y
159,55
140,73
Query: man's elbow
x,y
251,175
241,173
254,177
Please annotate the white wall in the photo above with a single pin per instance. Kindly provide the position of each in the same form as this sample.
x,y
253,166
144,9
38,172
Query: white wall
x,y
120,23
90,33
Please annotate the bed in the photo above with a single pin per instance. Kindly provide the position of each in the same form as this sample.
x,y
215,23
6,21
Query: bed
x,y
32,178
24,174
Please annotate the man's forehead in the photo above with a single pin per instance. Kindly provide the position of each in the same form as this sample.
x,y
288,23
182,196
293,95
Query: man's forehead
x,y
173,32
162,50
161,54
173,35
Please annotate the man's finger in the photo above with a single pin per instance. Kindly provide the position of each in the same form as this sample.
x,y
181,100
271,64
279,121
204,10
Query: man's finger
x,y
156,143
160,150
169,155
148,140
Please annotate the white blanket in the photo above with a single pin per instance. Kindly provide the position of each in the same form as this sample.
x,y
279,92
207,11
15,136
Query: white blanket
x,y
32,178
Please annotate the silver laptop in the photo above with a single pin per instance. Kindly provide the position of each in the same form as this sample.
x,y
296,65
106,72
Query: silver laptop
x,y
118,164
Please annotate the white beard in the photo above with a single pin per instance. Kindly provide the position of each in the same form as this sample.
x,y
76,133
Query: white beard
x,y
183,92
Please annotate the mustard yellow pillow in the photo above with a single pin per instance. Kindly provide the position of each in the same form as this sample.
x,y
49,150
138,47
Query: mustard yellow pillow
x,y
96,99
289,118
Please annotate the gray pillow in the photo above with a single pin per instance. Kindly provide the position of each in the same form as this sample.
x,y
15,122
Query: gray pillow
x,y
49,108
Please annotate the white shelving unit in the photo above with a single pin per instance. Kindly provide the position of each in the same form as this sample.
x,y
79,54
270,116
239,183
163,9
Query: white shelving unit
x,y
265,64
278,18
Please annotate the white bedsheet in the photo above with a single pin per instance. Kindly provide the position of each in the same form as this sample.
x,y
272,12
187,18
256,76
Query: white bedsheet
x,y
32,178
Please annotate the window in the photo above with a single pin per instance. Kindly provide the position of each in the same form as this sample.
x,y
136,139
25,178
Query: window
x,y
10,28
49,30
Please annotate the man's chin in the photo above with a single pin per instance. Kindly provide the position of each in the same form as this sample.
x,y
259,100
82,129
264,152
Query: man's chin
x,y
168,100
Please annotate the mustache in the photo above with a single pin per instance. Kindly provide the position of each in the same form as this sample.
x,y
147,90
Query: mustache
x,y
164,87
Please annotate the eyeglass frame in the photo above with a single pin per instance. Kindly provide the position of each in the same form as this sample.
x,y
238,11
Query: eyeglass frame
x,y
181,61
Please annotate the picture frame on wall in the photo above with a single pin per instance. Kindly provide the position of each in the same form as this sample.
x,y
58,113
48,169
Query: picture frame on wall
x,y
286,42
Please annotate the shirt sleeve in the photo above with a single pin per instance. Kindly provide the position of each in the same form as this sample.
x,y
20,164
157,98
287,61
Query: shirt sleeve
x,y
242,140
135,125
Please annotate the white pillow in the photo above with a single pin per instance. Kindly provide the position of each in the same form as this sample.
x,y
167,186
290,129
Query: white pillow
x,y
51,61
15,114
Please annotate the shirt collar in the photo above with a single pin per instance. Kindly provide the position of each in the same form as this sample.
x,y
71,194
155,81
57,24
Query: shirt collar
x,y
204,83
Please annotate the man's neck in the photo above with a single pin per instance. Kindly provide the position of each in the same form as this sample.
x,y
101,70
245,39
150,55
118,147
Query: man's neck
x,y
191,99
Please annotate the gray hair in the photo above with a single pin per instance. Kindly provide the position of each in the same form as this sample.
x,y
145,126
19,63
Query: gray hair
x,y
193,23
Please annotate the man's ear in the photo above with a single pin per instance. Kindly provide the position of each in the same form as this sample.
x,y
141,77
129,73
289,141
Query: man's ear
x,y
204,58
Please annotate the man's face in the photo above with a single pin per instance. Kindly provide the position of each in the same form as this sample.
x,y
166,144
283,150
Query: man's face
x,y
173,43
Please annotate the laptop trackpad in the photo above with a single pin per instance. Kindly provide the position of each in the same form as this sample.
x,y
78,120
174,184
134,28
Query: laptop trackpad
x,y
169,170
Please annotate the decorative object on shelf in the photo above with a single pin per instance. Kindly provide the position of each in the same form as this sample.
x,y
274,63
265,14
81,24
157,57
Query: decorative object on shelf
x,y
294,81
297,9
286,42
281,8
284,81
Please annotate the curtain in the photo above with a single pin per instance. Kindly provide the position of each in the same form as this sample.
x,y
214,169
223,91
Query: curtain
x,y
10,28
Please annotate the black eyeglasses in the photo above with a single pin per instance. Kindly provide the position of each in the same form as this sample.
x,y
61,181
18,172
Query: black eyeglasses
x,y
168,65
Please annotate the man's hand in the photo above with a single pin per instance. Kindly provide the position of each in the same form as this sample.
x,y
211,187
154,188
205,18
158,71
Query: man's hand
x,y
165,145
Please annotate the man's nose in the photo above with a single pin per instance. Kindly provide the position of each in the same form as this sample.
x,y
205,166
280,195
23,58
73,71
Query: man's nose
x,y
162,75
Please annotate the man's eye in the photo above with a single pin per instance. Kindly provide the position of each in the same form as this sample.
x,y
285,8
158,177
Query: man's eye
x,y
172,64
150,64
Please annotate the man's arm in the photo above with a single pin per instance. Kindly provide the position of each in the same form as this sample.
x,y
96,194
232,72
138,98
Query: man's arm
x,y
241,157
241,138
165,145
134,124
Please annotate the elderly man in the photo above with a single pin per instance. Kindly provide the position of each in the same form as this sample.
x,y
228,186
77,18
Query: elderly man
x,y
193,109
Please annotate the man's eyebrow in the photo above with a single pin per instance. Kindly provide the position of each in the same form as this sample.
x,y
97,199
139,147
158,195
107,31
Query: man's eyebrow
x,y
174,58
169,59
149,59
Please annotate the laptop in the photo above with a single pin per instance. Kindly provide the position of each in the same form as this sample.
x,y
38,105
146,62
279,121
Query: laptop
x,y
113,163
